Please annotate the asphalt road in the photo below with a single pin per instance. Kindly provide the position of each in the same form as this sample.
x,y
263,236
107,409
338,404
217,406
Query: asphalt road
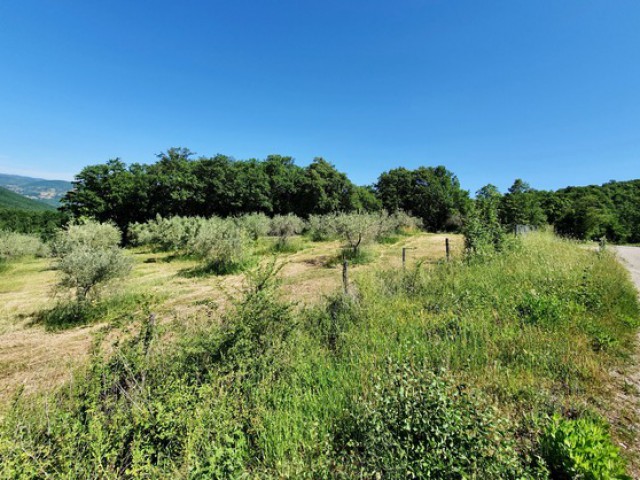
x,y
631,257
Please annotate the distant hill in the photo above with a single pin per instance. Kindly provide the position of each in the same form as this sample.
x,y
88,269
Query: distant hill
x,y
47,191
9,199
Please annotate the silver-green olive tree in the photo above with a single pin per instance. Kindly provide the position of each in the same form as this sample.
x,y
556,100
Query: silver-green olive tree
x,y
88,256
285,226
222,244
358,229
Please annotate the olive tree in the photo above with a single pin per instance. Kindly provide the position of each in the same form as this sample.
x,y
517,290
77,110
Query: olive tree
x,y
256,224
285,226
14,245
88,257
222,244
357,229
166,234
320,227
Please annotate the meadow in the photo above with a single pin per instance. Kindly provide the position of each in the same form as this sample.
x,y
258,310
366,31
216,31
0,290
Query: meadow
x,y
495,364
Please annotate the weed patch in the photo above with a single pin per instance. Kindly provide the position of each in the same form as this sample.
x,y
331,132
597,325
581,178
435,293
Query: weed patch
x,y
117,309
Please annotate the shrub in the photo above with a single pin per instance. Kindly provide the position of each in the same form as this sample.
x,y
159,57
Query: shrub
x,y
14,245
358,229
166,234
320,227
581,449
89,233
403,222
256,224
222,244
88,257
415,424
481,237
285,226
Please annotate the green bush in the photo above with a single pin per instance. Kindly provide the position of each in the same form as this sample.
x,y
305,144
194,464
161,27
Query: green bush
x,y
416,424
88,233
88,257
256,224
582,449
222,245
284,227
14,245
165,234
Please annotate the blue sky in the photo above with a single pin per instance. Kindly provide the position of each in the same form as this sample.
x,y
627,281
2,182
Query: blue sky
x,y
548,91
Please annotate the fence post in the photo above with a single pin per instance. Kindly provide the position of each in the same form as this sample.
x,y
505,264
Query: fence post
x,y
345,276
404,256
602,243
447,248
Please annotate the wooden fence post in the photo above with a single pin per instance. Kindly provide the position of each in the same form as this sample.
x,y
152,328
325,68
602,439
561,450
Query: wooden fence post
x,y
345,276
448,249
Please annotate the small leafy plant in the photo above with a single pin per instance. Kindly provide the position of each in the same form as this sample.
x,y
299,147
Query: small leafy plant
x,y
417,424
581,448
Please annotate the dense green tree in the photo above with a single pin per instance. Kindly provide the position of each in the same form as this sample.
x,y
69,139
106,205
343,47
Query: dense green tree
x,y
107,192
611,210
366,199
284,179
431,193
323,189
178,184
43,223
172,182
521,206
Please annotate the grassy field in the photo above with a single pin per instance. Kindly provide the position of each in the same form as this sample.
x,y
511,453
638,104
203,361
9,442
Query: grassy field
x,y
462,369
36,356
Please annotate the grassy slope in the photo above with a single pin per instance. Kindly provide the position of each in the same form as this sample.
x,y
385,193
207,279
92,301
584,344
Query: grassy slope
x,y
534,331
11,200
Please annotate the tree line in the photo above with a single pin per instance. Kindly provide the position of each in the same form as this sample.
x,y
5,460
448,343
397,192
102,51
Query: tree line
x,y
179,184
592,212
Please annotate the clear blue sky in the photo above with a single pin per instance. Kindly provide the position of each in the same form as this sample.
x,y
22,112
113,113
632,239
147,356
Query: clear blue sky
x,y
544,90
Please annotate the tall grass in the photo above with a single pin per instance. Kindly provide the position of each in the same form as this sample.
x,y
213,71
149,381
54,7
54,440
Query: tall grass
x,y
478,353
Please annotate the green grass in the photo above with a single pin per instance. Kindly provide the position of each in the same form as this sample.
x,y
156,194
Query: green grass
x,y
114,310
482,353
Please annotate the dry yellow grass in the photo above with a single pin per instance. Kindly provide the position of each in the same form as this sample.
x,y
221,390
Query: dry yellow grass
x,y
34,359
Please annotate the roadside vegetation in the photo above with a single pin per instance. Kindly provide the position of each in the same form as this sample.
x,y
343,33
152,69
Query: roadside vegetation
x,y
481,366
224,346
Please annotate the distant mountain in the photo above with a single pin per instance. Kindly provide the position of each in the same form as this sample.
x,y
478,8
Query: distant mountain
x,y
47,191
9,199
